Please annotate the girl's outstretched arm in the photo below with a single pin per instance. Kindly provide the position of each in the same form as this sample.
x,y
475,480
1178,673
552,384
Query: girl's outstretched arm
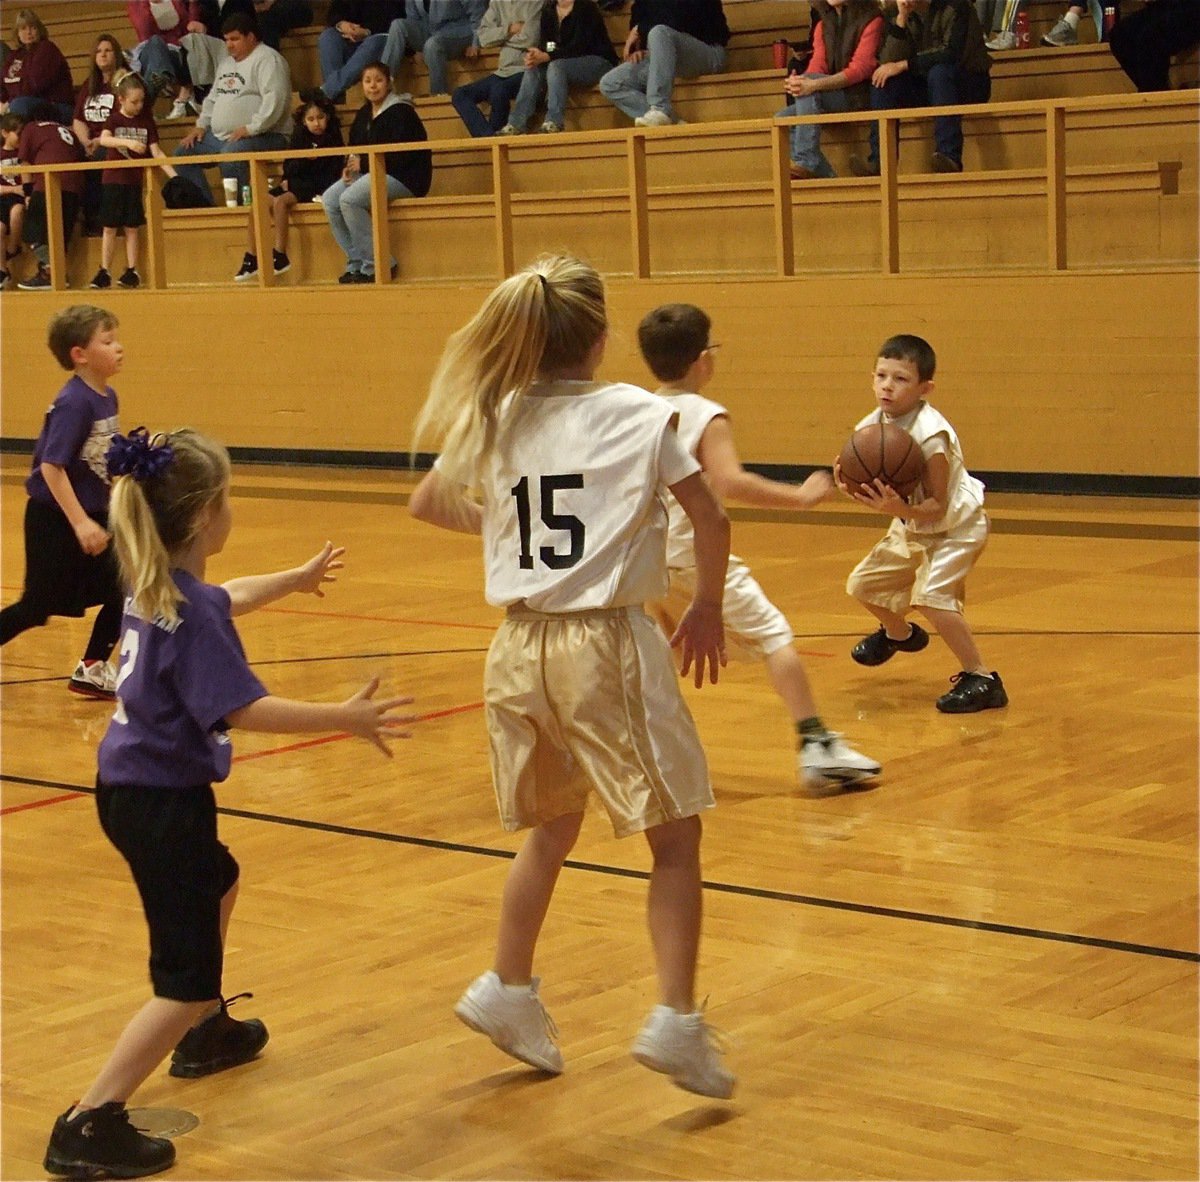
x,y
359,715
251,591
442,502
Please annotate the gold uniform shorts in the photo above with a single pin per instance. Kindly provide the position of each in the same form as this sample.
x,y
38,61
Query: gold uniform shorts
x,y
590,701
920,570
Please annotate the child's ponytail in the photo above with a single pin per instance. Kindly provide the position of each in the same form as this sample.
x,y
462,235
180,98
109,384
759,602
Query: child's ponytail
x,y
161,485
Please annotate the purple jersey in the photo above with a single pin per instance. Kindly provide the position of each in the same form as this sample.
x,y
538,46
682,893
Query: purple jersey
x,y
176,684
76,433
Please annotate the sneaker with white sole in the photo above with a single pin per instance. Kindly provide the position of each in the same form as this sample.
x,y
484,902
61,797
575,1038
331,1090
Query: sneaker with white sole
x,y
824,760
1063,34
94,679
513,1017
509,129
183,109
684,1047
248,269
551,128
1003,41
655,117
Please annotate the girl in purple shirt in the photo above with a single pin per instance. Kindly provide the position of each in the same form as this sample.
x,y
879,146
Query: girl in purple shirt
x,y
183,682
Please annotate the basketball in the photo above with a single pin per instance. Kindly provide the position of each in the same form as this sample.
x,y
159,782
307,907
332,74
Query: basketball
x,y
885,451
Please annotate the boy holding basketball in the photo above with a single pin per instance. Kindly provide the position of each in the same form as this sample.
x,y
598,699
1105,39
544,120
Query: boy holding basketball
x,y
932,544
675,343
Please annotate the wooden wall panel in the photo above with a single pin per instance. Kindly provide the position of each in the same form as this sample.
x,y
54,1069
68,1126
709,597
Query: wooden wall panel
x,y
1078,374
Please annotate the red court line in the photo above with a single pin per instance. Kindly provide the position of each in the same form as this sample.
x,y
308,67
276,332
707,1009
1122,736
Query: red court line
x,y
299,611
37,804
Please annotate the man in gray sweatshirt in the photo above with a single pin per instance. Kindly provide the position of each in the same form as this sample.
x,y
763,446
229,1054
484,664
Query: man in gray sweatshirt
x,y
247,109
514,25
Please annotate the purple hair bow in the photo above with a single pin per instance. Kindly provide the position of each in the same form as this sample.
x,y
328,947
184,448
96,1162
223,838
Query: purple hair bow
x,y
136,455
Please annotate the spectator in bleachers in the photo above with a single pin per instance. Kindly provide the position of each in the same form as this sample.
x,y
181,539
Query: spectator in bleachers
x,y
161,27
1066,31
305,178
933,55
668,39
573,51
354,37
93,105
1145,41
37,80
385,118
12,206
273,17
514,26
846,39
999,17
247,109
43,141
438,30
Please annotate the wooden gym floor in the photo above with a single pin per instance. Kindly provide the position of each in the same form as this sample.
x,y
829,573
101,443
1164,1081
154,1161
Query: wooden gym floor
x,y
986,968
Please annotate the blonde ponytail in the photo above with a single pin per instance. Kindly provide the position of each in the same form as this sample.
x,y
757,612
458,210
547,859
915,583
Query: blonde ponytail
x,y
155,512
546,317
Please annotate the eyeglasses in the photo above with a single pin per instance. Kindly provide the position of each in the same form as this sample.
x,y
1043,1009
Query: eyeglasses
x,y
712,348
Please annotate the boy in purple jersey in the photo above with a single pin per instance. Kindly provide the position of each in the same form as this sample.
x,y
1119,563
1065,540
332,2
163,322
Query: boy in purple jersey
x,y
184,681
68,565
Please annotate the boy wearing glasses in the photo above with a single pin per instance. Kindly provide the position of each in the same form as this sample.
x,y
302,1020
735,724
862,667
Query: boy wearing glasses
x,y
674,340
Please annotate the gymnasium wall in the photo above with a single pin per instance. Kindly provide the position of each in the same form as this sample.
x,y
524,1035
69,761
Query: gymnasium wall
x,y
1076,374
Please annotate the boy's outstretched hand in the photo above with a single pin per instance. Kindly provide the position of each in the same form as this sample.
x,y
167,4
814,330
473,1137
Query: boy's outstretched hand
x,y
319,569
377,721
700,638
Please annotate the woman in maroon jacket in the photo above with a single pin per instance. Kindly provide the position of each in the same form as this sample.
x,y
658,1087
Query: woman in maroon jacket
x,y
36,76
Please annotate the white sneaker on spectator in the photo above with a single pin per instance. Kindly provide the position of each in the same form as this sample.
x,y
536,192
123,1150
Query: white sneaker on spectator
x,y
1003,41
509,129
551,128
183,109
683,1047
1064,33
514,1018
654,118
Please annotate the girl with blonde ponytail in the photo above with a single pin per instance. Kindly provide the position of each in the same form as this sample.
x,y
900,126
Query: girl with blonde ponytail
x,y
562,475
183,683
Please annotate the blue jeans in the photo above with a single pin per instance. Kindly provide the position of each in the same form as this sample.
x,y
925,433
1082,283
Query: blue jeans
x,y
806,138
437,48
209,145
556,79
497,92
943,86
158,63
342,62
348,207
635,87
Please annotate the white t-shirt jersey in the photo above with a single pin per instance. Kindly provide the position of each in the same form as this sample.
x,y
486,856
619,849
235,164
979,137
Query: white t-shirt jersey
x,y
573,515
934,436
695,413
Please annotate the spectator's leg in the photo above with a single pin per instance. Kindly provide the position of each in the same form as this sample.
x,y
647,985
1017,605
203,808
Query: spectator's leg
x,y
207,145
331,199
500,97
466,100
91,196
395,191
203,53
401,33
442,47
369,50
159,66
572,73
806,138
333,52
949,87
533,81
672,55
356,214
625,87
282,17
895,94
1144,41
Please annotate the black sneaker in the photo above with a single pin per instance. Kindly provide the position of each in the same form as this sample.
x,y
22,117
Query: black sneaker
x,y
217,1043
101,280
349,277
100,1142
880,647
38,282
129,278
248,269
973,692
4,278
280,262
943,163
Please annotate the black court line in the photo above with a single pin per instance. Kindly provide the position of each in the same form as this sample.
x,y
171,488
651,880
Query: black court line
x,y
725,888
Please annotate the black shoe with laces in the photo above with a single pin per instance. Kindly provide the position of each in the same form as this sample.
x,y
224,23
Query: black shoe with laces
x,y
248,269
38,282
349,277
101,280
280,262
129,278
880,647
973,692
217,1043
101,1142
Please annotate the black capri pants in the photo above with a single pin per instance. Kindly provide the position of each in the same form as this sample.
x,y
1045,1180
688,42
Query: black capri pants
x,y
182,871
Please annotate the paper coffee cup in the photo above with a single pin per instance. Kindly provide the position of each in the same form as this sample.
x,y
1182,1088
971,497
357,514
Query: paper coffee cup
x,y
231,190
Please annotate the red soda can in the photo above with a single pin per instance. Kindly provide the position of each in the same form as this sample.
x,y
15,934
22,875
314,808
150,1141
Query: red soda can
x,y
1021,29
780,51
1110,19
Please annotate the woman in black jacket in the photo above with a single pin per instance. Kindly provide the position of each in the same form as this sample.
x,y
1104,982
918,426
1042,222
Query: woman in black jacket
x,y
382,119
573,51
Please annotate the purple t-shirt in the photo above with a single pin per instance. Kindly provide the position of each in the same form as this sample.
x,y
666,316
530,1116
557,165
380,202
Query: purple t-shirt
x,y
176,685
76,433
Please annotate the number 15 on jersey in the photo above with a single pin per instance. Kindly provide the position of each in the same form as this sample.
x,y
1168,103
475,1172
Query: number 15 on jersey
x,y
546,488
